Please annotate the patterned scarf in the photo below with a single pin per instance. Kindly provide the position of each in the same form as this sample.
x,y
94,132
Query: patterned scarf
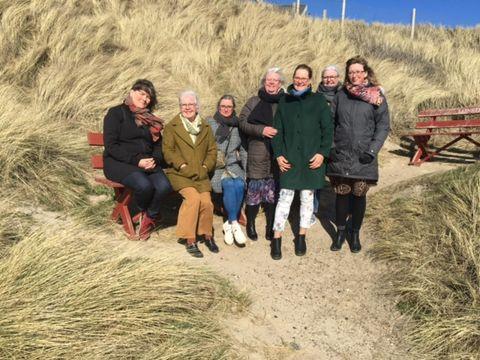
x,y
143,117
224,125
370,94
193,127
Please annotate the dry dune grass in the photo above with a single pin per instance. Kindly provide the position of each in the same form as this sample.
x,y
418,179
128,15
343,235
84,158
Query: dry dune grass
x,y
63,63
64,296
431,239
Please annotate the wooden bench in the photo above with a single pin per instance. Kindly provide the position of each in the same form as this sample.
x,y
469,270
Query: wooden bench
x,y
123,195
449,127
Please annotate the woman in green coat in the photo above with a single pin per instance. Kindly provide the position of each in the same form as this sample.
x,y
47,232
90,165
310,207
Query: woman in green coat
x,y
303,141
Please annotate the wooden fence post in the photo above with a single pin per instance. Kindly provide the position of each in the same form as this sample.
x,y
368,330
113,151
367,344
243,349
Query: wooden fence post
x,y
344,7
324,16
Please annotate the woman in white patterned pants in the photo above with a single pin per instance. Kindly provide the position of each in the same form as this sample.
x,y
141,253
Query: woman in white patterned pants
x,y
305,129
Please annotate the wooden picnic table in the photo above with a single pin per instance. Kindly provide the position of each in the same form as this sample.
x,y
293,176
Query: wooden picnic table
x,y
452,124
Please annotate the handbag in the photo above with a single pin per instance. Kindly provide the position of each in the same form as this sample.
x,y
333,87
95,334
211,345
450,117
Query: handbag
x,y
221,156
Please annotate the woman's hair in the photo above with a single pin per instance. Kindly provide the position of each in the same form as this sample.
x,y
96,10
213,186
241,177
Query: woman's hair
x,y
330,68
304,67
192,94
372,79
272,70
147,86
227,97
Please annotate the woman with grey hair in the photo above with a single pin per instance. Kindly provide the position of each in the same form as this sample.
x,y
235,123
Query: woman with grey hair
x,y
330,84
190,152
256,120
229,176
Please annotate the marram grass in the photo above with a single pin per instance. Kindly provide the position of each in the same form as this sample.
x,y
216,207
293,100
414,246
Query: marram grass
x,y
428,230
63,296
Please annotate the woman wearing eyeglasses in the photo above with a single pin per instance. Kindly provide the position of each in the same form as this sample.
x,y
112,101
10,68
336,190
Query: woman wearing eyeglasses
x,y
229,176
303,141
362,124
191,153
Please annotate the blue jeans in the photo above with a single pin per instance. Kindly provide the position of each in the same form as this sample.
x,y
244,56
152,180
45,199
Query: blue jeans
x,y
148,190
233,192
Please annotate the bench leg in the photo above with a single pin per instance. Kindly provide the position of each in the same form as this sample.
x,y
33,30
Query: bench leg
x,y
467,137
421,142
121,211
444,147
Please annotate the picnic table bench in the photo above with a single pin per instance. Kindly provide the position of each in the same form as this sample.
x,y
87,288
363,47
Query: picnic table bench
x,y
449,127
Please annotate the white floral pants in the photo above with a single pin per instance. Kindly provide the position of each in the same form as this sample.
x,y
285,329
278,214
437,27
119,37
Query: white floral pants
x,y
283,209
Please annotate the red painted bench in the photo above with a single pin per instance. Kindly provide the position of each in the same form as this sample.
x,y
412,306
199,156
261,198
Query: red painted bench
x,y
449,127
123,195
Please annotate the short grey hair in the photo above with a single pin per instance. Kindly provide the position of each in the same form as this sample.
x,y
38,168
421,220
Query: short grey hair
x,y
331,67
191,93
273,70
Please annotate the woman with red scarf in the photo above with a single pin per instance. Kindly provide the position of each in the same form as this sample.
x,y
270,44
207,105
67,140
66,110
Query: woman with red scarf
x,y
133,152
362,124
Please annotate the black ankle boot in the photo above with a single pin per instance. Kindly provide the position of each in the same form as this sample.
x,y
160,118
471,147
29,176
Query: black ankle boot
x,y
251,212
276,248
339,240
300,245
269,217
354,242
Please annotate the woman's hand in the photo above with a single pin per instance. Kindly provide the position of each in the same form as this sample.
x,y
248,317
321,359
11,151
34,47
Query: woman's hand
x,y
316,161
147,164
269,132
283,164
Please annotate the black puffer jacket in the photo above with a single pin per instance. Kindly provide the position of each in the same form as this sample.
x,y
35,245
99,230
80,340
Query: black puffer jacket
x,y
359,127
126,144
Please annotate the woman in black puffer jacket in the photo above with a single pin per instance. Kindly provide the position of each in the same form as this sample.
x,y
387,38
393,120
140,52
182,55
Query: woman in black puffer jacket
x,y
362,124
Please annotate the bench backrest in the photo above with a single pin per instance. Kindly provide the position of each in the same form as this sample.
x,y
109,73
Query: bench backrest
x,y
96,139
433,113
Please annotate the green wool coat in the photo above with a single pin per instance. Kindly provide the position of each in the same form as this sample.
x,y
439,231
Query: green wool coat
x,y
179,149
305,127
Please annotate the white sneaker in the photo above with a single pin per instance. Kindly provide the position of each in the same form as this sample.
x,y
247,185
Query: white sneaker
x,y
238,234
227,230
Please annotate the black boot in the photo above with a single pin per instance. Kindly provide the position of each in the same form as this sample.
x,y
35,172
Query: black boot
x,y
339,240
300,245
354,242
269,217
251,212
276,248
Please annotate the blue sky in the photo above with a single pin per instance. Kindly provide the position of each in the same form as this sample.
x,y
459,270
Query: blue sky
x,y
450,13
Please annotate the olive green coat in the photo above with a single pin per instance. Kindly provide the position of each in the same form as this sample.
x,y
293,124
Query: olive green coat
x,y
179,149
305,128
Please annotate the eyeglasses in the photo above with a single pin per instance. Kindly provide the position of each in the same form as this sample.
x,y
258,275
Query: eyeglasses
x,y
330,77
300,78
272,80
188,105
226,106
351,73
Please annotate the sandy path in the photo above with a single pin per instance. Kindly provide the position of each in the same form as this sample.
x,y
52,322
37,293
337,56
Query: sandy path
x,y
324,305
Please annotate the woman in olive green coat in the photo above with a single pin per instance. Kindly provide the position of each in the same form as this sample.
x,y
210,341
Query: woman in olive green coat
x,y
190,152
303,141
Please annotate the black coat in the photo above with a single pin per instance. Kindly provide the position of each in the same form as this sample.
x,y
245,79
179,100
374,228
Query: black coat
x,y
359,127
126,144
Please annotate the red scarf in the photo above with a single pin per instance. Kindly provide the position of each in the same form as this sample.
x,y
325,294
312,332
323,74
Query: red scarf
x,y
370,94
145,117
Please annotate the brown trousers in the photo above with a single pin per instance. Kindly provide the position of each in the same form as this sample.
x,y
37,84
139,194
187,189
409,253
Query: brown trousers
x,y
195,215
